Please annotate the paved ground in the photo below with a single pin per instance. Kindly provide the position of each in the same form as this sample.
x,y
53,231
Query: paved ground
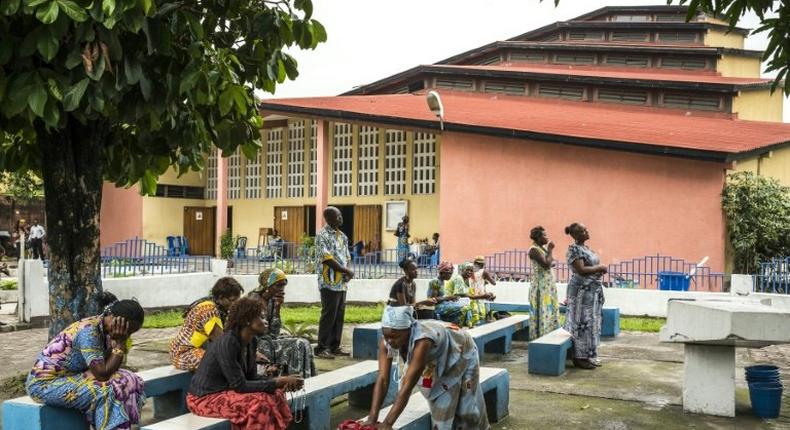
x,y
638,387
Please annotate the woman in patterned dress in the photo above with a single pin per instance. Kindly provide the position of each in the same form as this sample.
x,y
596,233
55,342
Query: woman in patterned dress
x,y
461,285
447,307
544,313
585,298
290,354
203,323
402,232
227,383
81,369
441,359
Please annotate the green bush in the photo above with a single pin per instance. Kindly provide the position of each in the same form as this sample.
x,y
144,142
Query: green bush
x,y
757,210
227,245
8,284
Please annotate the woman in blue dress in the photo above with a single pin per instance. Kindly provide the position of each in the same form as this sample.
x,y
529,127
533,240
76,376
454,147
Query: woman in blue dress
x,y
81,369
585,298
441,360
402,232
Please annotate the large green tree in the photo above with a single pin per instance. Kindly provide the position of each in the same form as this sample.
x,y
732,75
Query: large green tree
x,y
120,90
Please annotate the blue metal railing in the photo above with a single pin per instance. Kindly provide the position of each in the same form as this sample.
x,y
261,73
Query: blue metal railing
x,y
295,258
515,265
773,276
139,257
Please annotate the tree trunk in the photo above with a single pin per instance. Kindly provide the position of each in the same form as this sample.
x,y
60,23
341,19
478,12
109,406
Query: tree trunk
x,y
72,172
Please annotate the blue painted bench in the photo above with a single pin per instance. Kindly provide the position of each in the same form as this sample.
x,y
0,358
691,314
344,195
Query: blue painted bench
x,y
356,380
495,336
610,325
496,391
167,385
547,353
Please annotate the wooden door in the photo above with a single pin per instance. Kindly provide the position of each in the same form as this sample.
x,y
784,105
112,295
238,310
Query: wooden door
x,y
200,229
289,221
367,226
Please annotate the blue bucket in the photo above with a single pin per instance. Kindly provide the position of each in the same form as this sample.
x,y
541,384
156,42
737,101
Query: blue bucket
x,y
673,281
762,369
766,399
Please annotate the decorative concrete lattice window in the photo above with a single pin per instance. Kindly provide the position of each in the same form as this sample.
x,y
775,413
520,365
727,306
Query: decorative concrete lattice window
x,y
342,160
313,159
577,58
685,63
295,184
510,88
628,60
691,101
424,172
630,36
585,35
528,57
455,84
274,164
252,179
560,92
616,95
234,175
677,37
395,162
211,176
368,162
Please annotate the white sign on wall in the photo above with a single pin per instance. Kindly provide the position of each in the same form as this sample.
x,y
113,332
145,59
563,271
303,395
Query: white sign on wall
x,y
199,216
284,215
394,211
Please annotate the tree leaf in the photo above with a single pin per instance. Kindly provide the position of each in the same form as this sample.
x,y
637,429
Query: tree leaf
x,y
73,96
73,10
147,5
54,89
47,45
9,7
34,3
145,87
47,13
108,7
132,70
226,101
148,183
6,50
37,99
240,99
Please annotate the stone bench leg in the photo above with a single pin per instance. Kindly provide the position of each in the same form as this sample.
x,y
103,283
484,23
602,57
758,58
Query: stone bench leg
x,y
317,413
364,396
499,345
610,325
170,404
709,380
497,400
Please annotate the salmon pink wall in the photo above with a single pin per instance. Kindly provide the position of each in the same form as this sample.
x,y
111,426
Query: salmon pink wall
x,y
121,214
495,189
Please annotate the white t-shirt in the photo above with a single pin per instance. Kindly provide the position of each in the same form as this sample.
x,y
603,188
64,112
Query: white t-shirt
x,y
37,232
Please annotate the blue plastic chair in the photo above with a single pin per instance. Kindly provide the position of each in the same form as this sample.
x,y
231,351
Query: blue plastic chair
x,y
241,247
184,246
171,246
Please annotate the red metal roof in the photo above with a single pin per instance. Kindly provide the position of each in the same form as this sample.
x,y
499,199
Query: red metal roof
x,y
514,115
616,73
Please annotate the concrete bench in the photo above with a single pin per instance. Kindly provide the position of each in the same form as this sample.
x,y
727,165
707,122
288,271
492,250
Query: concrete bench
x,y
495,336
496,390
166,385
610,325
356,380
547,353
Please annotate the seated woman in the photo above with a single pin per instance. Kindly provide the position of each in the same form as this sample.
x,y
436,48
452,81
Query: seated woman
x,y
290,354
447,307
403,291
474,309
203,322
227,384
81,369
441,360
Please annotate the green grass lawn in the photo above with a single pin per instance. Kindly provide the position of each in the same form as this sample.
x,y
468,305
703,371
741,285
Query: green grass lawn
x,y
364,314
289,314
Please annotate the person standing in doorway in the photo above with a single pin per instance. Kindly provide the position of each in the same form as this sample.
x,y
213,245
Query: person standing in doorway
x,y
333,276
37,234
402,232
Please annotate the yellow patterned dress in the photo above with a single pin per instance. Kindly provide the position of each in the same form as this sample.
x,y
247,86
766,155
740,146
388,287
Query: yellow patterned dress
x,y
186,349
544,313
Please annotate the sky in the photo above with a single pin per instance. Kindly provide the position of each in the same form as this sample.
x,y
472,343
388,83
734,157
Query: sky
x,y
371,39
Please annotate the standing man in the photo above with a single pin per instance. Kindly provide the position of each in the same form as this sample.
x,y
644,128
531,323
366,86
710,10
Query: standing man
x,y
333,276
37,234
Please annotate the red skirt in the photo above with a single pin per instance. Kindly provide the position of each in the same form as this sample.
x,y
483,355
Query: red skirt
x,y
246,411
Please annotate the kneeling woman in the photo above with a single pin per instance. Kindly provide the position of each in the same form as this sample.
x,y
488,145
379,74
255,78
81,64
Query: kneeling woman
x,y
441,359
203,322
226,383
81,369
292,355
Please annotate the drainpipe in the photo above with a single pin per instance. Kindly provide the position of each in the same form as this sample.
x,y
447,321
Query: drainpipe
x,y
21,301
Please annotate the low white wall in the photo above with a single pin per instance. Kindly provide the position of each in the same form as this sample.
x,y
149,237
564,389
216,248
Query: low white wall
x,y
181,290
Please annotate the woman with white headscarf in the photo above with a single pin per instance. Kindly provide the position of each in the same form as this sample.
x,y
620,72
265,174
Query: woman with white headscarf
x,y
441,360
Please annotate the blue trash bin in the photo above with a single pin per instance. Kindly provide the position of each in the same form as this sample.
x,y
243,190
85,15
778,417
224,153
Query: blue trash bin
x,y
766,399
673,281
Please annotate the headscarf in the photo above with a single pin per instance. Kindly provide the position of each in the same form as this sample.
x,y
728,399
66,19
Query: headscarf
x,y
464,266
445,266
397,317
269,277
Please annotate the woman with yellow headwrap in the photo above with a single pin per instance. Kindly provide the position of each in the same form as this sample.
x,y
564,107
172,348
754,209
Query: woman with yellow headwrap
x,y
290,354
